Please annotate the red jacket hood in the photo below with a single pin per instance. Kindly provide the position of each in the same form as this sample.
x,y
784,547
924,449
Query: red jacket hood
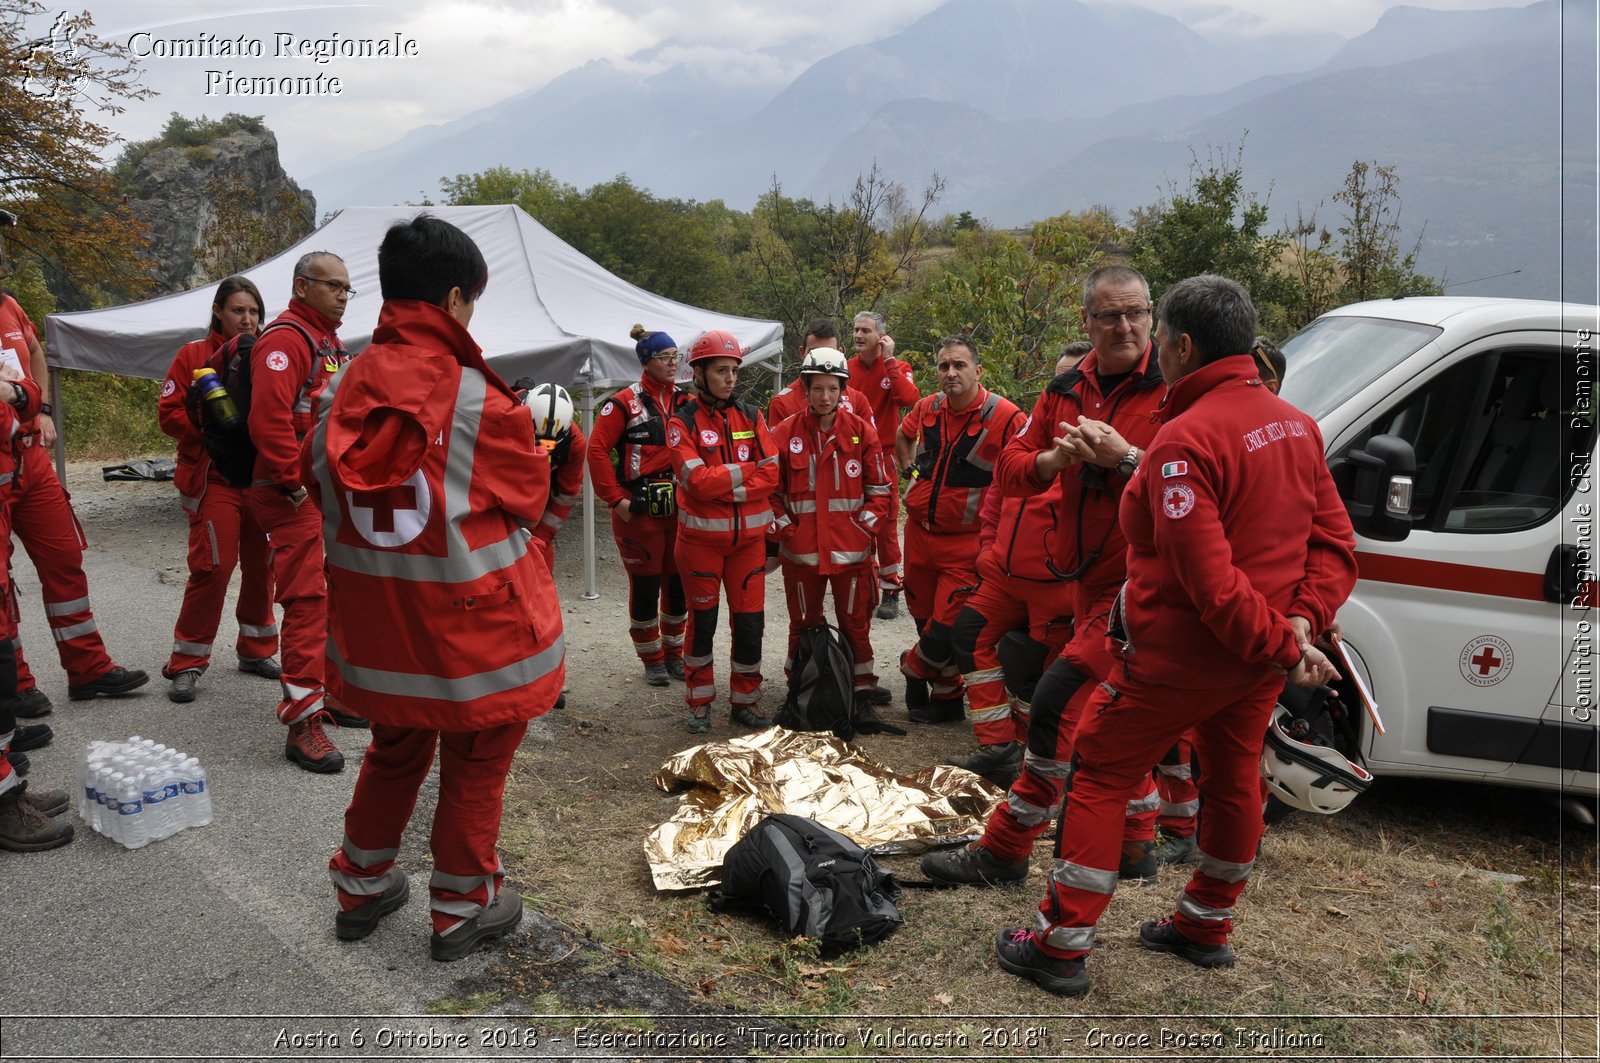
x,y
383,420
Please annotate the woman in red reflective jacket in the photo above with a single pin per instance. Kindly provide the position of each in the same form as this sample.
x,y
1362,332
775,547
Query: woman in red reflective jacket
x,y
222,533
726,468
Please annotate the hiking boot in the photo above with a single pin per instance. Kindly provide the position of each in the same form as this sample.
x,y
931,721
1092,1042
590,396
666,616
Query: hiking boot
x,y
308,745
1018,954
29,704
1138,863
874,695
889,608
18,762
343,716
1000,763
747,717
499,918
24,829
265,667
360,921
937,710
1178,849
656,674
973,865
31,736
49,802
868,722
698,724
561,701
675,668
113,684
182,690
1163,936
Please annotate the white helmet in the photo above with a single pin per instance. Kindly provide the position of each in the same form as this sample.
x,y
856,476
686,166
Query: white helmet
x,y
1308,777
552,410
825,361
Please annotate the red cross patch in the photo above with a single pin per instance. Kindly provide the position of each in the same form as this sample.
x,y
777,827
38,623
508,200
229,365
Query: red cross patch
x,y
709,437
1177,500
1486,660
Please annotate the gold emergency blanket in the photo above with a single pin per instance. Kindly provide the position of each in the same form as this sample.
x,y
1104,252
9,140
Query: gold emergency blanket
x,y
811,774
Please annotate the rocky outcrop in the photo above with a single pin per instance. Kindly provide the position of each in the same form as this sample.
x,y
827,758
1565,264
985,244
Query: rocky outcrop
x,y
217,208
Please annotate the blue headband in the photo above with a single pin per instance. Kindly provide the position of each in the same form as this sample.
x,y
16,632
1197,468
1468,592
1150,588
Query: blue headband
x,y
653,344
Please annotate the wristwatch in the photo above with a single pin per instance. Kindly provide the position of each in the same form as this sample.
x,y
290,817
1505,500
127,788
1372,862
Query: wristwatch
x,y
46,409
1129,462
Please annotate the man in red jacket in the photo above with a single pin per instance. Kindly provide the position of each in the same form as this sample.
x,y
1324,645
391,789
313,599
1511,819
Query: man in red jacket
x,y
1239,551
1084,439
951,441
43,521
886,382
832,493
289,364
443,622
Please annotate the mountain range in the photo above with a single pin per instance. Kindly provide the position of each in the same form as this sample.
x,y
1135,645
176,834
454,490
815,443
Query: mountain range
x,y
1028,108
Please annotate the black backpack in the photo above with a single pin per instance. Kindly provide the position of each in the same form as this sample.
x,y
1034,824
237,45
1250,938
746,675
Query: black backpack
x,y
822,685
231,450
814,881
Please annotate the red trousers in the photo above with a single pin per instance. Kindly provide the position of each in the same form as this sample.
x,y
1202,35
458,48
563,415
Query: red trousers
x,y
222,534
855,596
42,517
1058,710
1128,726
891,574
1000,605
294,538
648,548
466,825
8,672
941,573
709,570
1180,798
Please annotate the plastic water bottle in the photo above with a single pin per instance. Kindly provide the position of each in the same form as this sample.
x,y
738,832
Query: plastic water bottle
x,y
197,793
111,805
130,813
160,802
89,793
219,404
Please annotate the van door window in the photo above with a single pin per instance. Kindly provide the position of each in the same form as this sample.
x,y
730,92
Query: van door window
x,y
1493,438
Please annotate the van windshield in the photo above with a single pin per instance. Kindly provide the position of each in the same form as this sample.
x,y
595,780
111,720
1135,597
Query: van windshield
x,y
1334,357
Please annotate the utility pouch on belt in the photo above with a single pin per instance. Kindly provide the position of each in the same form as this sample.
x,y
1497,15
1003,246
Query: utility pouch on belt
x,y
661,496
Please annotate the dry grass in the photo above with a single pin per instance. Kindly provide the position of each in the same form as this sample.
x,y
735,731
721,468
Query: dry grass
x,y
1377,930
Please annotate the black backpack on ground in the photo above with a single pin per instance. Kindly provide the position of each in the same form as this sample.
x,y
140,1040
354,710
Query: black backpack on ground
x,y
816,882
231,449
822,685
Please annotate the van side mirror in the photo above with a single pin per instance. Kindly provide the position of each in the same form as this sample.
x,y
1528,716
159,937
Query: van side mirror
x,y
1376,483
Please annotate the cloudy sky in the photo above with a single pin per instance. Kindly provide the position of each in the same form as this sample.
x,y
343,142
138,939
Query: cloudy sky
x,y
470,53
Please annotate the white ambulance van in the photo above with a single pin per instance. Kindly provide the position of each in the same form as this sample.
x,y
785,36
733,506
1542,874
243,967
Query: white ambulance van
x,y
1462,434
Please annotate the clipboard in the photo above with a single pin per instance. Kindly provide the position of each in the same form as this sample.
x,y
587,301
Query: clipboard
x,y
1368,702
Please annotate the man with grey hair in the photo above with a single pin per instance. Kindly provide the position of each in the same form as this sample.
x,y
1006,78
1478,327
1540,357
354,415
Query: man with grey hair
x,y
290,361
1239,552
887,384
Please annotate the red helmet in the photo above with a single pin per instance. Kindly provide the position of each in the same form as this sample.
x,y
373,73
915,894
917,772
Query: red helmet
x,y
716,344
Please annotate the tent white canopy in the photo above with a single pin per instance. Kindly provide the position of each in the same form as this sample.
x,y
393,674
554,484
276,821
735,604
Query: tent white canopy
x,y
549,312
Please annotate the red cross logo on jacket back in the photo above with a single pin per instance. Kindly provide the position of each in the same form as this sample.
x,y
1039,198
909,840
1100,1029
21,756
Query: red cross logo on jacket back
x,y
393,516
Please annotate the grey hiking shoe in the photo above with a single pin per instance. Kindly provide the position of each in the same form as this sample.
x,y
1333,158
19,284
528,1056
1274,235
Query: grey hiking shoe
x,y
25,829
265,667
360,921
1163,936
1000,763
972,865
889,608
656,675
497,919
182,689
1178,849
1017,952
1138,864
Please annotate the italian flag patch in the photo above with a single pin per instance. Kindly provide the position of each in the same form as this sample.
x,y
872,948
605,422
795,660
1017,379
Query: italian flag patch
x,y
1174,468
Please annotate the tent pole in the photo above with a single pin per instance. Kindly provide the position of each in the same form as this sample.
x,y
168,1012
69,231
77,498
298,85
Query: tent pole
x,y
61,424
590,591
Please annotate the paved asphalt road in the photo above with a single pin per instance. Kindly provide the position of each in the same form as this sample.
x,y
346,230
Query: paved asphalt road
x,y
233,919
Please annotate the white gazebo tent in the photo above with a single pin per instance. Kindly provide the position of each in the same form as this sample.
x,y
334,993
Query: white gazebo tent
x,y
549,312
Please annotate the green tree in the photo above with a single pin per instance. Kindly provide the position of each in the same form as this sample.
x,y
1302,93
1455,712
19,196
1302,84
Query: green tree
x,y
1211,226
1369,252
75,227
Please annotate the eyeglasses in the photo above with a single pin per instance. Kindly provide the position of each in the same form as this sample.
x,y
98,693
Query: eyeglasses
x,y
1111,317
674,356
334,286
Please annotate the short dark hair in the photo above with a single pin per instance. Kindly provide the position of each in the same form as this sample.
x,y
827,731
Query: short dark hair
x,y
232,286
1114,274
1076,349
822,328
1215,312
426,257
957,340
1269,360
